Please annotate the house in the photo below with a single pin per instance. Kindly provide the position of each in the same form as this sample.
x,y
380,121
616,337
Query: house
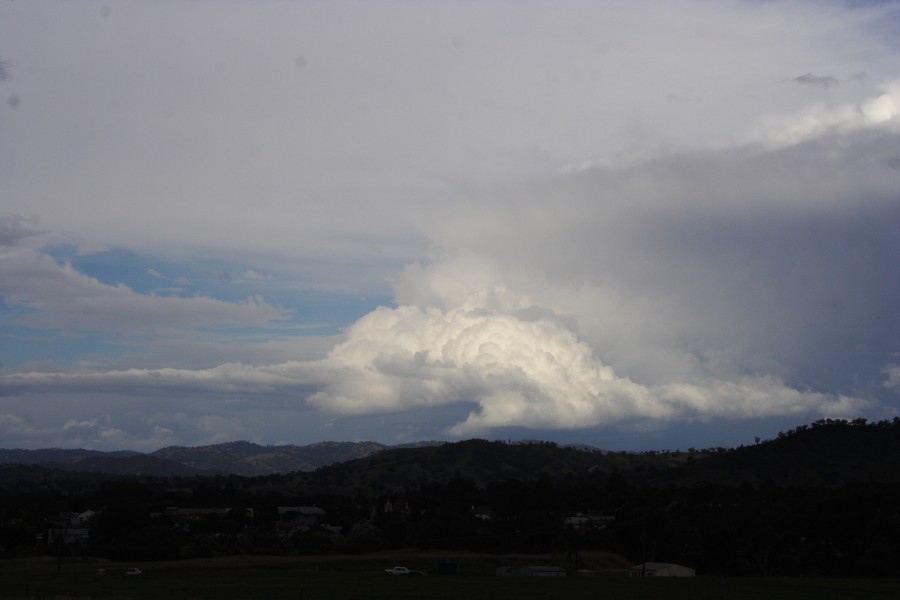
x,y
87,517
65,519
591,520
298,519
303,511
195,514
69,536
655,569
484,513
404,510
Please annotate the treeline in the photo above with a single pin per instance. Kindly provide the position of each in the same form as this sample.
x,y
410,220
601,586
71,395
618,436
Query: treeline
x,y
851,530
763,530
820,500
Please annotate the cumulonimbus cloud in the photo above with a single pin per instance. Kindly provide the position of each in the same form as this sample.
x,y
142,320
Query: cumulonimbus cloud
x,y
525,372
518,371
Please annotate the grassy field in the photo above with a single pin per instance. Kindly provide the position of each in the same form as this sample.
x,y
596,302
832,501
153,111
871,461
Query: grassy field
x,y
362,578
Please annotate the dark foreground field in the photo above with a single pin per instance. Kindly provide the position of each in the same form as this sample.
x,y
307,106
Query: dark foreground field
x,y
361,578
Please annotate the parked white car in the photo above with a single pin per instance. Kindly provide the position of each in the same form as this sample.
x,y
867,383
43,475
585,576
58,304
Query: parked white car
x,y
402,571
133,571
397,571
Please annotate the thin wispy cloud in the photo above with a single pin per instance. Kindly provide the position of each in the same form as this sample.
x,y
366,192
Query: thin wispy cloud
x,y
158,275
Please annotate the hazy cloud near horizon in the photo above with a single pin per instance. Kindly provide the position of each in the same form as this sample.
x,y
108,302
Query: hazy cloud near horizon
x,y
446,221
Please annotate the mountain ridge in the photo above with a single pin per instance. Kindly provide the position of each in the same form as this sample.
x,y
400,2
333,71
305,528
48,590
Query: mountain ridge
x,y
824,452
238,457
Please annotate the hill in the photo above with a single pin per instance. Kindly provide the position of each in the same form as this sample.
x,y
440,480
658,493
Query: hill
x,y
131,465
480,461
248,459
828,452
55,455
232,458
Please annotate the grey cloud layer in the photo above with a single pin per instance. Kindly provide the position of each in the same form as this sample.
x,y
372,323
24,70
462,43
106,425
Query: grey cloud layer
x,y
50,295
197,142
745,261
608,214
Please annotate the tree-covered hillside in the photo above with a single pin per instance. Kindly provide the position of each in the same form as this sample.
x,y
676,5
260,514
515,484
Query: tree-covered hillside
x,y
828,452
817,500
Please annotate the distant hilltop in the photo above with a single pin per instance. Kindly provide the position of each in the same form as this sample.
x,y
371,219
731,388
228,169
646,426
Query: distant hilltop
x,y
231,458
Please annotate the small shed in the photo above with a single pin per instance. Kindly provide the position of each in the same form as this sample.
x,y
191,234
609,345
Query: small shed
x,y
655,569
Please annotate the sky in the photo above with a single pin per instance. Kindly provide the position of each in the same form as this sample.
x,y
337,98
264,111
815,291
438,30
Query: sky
x,y
633,225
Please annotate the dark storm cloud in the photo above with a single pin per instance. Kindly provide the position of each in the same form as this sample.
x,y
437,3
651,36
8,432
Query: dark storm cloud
x,y
825,81
722,264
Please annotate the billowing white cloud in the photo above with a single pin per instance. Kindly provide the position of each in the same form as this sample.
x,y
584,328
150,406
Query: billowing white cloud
x,y
524,370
